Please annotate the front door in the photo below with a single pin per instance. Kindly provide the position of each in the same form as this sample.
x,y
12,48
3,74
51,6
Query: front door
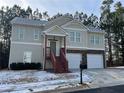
x,y
53,46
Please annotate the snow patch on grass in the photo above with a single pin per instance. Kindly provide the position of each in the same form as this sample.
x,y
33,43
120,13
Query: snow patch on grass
x,y
32,80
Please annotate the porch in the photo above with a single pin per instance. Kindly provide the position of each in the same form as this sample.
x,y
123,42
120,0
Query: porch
x,y
55,50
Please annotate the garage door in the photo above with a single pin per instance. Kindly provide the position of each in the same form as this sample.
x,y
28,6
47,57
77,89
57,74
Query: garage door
x,y
95,61
73,60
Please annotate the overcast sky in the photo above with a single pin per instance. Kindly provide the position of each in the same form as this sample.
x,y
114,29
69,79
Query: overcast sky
x,y
62,6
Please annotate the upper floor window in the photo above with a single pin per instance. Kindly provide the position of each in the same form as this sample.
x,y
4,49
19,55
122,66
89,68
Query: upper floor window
x,y
92,39
77,37
72,36
20,34
95,39
36,35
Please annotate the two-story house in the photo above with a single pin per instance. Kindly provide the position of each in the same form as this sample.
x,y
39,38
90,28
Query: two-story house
x,y
60,44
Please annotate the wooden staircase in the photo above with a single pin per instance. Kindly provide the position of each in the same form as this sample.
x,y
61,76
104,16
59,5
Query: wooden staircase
x,y
60,63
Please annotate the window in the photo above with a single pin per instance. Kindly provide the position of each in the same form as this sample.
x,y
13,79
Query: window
x,y
77,37
92,39
27,57
72,36
20,34
95,39
36,35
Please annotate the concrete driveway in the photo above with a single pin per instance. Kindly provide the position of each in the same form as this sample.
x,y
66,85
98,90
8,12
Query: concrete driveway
x,y
100,78
105,77
113,89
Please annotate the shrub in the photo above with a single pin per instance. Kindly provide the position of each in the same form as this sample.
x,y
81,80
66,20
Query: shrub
x,y
23,66
20,66
13,66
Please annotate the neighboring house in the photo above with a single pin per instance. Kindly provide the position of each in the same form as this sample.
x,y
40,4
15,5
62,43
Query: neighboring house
x,y
59,44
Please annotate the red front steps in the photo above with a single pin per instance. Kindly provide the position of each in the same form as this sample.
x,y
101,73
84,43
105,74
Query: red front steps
x,y
60,64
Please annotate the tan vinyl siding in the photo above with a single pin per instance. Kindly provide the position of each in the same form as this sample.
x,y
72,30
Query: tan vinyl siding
x,y
28,33
83,36
96,45
17,52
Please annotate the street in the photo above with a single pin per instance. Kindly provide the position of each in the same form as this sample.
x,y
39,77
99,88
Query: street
x,y
113,89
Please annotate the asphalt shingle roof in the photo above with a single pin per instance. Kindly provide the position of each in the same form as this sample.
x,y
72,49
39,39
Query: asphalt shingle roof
x,y
26,21
94,29
59,21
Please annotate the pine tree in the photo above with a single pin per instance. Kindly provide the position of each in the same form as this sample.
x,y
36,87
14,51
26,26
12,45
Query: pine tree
x,y
105,24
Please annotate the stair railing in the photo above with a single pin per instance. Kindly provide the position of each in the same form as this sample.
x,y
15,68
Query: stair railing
x,y
53,60
63,59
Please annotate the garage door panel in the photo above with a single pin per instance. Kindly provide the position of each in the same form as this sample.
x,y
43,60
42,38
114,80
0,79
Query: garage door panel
x,y
73,60
95,60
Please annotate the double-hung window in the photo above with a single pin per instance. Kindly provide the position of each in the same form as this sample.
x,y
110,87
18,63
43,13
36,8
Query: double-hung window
x,y
92,39
36,35
72,36
95,39
20,34
77,37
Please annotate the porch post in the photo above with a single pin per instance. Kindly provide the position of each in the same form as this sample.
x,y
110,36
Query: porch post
x,y
45,51
65,44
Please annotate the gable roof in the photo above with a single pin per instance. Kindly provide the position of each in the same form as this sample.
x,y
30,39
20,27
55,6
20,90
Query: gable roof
x,y
26,21
55,30
61,21
82,26
77,24
58,21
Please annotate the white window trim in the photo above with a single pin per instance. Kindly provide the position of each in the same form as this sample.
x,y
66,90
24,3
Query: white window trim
x,y
92,39
37,34
95,39
25,54
72,37
19,33
75,37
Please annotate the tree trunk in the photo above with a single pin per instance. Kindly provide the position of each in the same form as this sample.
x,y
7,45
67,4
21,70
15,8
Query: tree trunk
x,y
122,44
110,51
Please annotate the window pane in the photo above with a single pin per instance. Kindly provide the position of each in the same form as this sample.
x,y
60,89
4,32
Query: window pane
x,y
92,39
36,35
71,36
97,39
77,37
20,34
